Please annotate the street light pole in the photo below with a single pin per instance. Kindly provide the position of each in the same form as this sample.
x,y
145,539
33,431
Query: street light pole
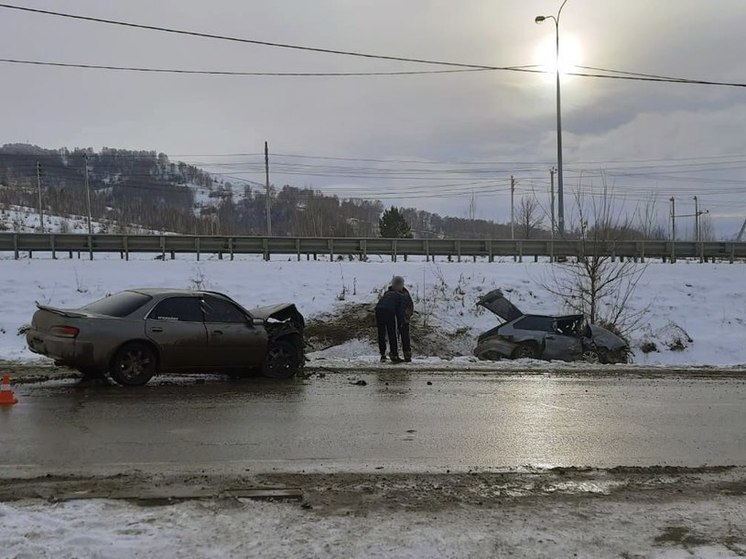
x,y
560,174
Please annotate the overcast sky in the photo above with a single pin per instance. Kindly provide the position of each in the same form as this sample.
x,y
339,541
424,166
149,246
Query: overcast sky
x,y
675,140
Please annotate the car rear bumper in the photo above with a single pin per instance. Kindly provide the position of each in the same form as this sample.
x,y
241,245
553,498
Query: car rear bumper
x,y
65,351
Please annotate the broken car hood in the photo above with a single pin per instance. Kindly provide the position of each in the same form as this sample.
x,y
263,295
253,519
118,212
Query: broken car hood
x,y
603,338
496,302
281,313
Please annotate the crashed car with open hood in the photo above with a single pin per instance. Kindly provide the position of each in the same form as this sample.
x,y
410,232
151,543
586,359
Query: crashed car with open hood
x,y
565,338
135,334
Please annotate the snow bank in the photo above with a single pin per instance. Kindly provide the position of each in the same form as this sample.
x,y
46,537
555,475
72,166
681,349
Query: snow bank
x,y
588,529
706,301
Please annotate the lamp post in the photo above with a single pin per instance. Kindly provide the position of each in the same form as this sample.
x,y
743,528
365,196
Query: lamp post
x,y
560,176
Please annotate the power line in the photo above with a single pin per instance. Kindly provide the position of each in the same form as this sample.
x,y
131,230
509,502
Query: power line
x,y
235,73
243,40
609,74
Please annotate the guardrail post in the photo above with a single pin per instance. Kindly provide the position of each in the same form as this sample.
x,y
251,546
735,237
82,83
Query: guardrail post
x,y
520,251
230,246
364,248
90,247
701,252
197,246
15,246
126,247
490,251
297,248
458,250
265,249
163,248
673,252
732,256
331,250
393,250
52,244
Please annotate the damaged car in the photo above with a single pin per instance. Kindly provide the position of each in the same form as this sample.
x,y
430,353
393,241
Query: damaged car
x,y
565,338
135,334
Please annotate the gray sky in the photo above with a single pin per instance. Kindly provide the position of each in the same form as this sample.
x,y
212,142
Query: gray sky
x,y
671,139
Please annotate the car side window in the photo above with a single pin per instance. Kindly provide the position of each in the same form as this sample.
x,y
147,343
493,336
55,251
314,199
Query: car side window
x,y
220,310
181,309
536,323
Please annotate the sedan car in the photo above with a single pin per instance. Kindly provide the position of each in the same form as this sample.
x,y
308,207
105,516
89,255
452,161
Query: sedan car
x,y
566,338
138,333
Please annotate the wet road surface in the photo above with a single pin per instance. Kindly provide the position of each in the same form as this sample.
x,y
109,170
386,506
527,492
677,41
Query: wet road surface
x,y
396,422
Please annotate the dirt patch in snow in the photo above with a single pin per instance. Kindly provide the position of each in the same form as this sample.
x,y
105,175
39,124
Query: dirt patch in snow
x,y
357,321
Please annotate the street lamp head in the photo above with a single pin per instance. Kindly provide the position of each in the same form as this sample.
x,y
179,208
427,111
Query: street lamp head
x,y
539,19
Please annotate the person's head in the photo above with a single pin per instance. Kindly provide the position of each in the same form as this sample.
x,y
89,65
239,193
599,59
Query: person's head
x,y
397,283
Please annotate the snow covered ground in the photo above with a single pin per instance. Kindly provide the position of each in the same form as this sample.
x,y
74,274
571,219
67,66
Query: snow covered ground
x,y
594,528
22,219
707,301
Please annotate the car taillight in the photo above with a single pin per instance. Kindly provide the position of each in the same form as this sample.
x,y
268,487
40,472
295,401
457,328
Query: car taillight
x,y
65,331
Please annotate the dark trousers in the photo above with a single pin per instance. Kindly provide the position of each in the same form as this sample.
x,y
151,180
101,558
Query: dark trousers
x,y
406,345
386,323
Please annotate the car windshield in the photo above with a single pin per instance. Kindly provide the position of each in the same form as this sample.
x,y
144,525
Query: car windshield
x,y
118,305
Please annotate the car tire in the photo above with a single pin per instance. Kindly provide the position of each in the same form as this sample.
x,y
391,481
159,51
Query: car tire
x,y
525,351
283,360
489,355
134,364
593,356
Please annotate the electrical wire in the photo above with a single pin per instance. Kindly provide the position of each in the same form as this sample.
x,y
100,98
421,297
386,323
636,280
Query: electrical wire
x,y
608,74
235,73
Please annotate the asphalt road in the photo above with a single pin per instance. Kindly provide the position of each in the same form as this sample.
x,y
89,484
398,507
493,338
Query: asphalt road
x,y
396,422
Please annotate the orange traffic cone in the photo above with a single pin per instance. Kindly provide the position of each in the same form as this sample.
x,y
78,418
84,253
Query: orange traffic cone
x,y
6,394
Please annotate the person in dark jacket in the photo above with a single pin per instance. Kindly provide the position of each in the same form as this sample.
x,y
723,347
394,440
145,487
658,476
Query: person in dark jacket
x,y
390,310
406,344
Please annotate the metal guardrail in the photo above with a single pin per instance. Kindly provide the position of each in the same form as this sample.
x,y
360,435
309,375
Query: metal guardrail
x,y
18,243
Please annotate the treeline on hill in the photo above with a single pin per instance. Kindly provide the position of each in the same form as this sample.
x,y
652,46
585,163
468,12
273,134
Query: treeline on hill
x,y
146,189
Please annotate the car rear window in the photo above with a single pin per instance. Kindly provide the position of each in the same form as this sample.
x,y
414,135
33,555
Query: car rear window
x,y
119,305
540,323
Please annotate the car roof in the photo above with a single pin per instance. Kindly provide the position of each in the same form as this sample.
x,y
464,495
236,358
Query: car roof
x,y
555,317
155,291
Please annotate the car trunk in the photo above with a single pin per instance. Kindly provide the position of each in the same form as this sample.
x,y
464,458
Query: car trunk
x,y
496,302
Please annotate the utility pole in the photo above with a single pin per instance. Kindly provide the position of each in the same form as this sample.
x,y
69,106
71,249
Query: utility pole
x,y
266,172
512,207
673,218
551,188
696,219
88,194
38,186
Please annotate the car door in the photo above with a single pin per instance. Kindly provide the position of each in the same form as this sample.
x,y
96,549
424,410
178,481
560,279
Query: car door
x,y
177,327
562,343
234,341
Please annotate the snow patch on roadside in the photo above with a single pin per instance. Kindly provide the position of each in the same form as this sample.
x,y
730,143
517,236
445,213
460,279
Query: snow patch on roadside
x,y
599,527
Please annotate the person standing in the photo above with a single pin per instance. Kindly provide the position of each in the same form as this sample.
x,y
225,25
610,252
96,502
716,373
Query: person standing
x,y
406,343
390,311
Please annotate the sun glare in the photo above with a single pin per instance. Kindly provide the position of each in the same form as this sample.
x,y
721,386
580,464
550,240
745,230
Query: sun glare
x,y
570,55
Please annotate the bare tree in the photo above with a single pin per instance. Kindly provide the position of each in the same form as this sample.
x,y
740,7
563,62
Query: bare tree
x,y
647,220
529,216
594,283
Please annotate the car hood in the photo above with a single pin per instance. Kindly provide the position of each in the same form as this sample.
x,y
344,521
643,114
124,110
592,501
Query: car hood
x,y
282,312
496,302
603,338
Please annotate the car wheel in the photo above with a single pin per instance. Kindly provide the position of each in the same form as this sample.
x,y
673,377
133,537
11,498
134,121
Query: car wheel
x,y
525,351
133,365
489,355
616,357
592,356
282,360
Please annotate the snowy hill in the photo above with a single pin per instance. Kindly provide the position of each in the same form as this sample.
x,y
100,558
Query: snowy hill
x,y
22,219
